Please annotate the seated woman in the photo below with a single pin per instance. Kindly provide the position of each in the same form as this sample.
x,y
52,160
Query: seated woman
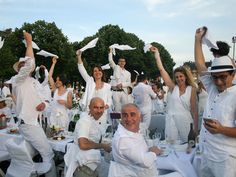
x,y
62,99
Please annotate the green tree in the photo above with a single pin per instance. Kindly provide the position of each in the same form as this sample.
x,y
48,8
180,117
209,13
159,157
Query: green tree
x,y
166,58
136,59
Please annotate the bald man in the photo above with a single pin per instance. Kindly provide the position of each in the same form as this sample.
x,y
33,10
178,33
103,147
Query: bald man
x,y
87,141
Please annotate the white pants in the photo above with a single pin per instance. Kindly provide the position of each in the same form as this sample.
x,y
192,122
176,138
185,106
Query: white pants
x,y
226,168
37,138
146,117
119,99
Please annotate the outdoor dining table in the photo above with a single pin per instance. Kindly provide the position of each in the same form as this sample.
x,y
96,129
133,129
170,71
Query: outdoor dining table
x,y
57,145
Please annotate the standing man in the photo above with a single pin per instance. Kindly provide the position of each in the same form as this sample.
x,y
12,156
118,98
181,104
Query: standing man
x,y
84,157
218,135
29,103
122,79
143,95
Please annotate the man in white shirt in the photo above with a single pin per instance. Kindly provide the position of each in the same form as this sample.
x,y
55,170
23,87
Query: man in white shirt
x,y
121,80
132,157
88,142
143,95
218,134
29,103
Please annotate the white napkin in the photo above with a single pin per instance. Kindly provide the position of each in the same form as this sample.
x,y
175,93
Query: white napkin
x,y
91,44
37,75
104,67
46,54
34,45
1,42
207,39
136,72
120,47
147,47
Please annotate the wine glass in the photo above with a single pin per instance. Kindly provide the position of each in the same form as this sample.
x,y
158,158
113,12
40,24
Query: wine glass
x,y
157,138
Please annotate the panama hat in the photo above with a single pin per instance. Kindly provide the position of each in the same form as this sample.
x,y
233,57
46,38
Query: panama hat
x,y
221,64
22,59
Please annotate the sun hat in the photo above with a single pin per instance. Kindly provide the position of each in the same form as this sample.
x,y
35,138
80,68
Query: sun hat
x,y
221,64
22,59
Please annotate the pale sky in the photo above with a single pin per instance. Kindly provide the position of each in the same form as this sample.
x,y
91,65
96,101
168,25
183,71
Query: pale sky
x,y
169,22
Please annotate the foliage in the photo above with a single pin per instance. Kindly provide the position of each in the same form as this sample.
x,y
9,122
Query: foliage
x,y
48,37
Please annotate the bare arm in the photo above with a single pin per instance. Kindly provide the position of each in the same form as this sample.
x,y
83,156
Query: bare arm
x,y
29,50
168,81
50,78
86,144
198,53
216,127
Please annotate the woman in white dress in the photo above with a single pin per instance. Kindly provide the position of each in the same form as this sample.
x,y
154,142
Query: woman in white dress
x,y
62,99
95,85
182,103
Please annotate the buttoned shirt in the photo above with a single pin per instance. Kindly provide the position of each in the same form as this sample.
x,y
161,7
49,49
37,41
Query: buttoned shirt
x,y
222,107
28,93
120,76
143,95
129,148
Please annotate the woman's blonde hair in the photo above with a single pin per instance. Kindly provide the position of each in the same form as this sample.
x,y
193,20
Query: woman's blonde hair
x,y
188,74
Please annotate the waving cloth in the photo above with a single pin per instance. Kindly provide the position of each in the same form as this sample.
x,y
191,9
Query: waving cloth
x,y
147,47
104,67
137,73
207,39
120,47
91,44
34,45
46,54
1,42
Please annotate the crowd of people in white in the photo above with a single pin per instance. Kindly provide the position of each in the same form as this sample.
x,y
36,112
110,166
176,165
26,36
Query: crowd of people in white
x,y
182,100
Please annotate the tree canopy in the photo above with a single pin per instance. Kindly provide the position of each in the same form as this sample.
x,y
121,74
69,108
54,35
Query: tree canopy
x,y
48,37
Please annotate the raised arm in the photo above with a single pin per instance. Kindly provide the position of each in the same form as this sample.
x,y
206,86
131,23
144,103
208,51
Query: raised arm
x,y
110,59
194,108
50,78
168,81
29,50
198,53
81,68
25,70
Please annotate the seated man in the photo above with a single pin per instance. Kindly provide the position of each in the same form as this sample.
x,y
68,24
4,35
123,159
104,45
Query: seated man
x,y
132,157
85,154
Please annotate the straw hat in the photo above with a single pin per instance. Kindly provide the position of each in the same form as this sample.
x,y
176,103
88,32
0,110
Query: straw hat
x,y
22,59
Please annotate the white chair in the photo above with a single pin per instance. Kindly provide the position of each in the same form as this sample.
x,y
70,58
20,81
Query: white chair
x,y
22,164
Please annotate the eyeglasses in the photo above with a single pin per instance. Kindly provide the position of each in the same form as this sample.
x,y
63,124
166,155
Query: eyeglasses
x,y
220,77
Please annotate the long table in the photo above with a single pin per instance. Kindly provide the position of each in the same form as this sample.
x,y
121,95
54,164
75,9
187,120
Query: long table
x,y
57,145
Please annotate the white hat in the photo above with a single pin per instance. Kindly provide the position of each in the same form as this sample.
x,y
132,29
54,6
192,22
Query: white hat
x,y
221,64
22,59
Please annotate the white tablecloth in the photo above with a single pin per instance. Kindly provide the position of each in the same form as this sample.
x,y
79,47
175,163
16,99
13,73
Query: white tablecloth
x,y
178,161
57,145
